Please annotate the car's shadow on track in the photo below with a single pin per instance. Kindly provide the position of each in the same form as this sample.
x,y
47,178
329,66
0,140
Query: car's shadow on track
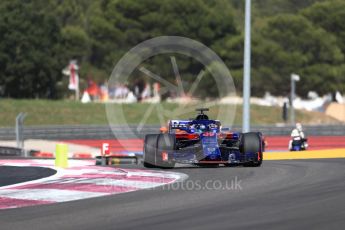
x,y
181,167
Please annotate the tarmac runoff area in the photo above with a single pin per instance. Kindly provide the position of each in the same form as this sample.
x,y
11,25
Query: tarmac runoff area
x,y
84,180
285,194
306,192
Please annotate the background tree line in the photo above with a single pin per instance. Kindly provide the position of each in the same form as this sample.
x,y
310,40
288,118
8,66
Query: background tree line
x,y
38,38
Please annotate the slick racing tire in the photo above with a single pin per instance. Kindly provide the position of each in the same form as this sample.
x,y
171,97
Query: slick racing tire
x,y
254,163
251,143
150,147
166,143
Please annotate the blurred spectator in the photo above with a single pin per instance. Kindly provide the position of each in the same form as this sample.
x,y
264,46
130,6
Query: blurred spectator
x,y
93,90
146,92
138,88
156,88
121,91
104,92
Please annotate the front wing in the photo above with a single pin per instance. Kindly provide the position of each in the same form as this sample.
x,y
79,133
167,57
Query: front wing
x,y
226,157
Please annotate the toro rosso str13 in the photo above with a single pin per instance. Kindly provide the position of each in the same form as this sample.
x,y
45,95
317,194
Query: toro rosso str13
x,y
202,142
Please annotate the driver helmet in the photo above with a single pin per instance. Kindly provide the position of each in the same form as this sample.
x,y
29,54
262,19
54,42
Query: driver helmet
x,y
202,128
299,127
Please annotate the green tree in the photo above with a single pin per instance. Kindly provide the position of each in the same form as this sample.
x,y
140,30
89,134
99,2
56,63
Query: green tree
x,y
330,16
204,21
295,44
29,37
38,38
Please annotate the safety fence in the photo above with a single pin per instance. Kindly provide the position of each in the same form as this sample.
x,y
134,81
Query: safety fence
x,y
64,132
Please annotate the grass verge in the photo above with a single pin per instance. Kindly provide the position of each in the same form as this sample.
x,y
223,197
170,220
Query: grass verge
x,y
46,112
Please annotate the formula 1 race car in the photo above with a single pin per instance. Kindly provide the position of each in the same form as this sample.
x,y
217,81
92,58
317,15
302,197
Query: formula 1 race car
x,y
202,142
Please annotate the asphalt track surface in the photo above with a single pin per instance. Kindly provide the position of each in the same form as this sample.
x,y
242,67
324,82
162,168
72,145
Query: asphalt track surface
x,y
13,175
295,194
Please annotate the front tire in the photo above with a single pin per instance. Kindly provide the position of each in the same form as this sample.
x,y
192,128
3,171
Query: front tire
x,y
165,143
150,147
252,143
154,146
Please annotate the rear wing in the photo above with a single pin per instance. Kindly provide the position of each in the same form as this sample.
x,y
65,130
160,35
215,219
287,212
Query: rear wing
x,y
190,125
179,124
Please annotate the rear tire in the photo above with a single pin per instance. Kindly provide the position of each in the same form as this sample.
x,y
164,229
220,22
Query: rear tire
x,y
150,146
251,143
